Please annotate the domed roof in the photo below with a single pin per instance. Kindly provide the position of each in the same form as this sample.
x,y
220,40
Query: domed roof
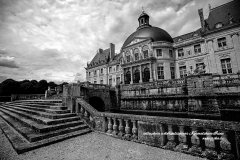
x,y
156,33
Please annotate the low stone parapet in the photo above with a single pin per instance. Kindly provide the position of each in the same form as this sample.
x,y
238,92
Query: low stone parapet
x,y
205,138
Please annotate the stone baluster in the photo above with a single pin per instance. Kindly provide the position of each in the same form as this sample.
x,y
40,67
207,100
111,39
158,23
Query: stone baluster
x,y
120,128
195,149
182,139
134,130
115,127
171,137
110,129
127,130
226,148
210,145
82,110
86,114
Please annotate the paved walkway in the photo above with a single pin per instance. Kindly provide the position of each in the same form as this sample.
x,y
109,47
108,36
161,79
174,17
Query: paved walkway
x,y
92,146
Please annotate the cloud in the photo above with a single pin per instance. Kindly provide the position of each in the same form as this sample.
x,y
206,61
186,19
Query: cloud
x,y
8,62
54,39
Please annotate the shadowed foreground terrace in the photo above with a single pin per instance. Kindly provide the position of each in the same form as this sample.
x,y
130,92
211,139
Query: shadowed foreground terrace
x,y
92,146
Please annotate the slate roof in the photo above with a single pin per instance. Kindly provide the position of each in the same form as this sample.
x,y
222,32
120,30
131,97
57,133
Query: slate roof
x,y
100,58
220,14
187,36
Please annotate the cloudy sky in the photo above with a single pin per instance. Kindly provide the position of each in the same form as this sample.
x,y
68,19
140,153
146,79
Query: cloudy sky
x,y
54,39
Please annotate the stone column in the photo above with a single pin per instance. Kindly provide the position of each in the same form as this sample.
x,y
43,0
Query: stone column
x,y
236,44
109,125
182,139
213,67
196,149
210,145
140,53
171,137
120,128
140,81
134,130
131,75
127,130
225,145
151,76
115,127
123,81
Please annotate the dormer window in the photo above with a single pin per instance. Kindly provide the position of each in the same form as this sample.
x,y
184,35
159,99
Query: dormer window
x,y
195,34
218,25
128,58
222,42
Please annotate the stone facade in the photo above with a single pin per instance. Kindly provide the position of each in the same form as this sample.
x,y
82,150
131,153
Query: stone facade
x,y
215,46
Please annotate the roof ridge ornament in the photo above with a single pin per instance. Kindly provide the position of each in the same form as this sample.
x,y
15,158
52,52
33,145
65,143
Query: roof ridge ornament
x,y
142,9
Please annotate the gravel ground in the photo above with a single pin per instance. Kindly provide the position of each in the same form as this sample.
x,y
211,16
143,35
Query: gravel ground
x,y
92,146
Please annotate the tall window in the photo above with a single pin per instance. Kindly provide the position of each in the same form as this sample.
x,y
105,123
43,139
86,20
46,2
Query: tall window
x,y
159,52
188,52
95,82
170,53
222,42
110,69
172,70
117,68
128,58
101,81
118,80
89,74
199,64
136,77
160,70
197,48
146,75
128,77
180,53
183,71
95,72
145,54
101,70
136,56
226,66
110,81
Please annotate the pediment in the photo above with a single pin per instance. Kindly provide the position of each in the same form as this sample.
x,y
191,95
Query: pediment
x,y
137,40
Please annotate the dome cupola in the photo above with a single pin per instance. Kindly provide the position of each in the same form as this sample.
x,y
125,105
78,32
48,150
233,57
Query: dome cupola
x,y
143,20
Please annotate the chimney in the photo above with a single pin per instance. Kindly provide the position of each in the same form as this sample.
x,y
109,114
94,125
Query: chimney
x,y
200,12
100,50
209,7
112,50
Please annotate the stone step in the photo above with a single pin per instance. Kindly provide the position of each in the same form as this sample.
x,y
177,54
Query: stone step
x,y
42,114
54,111
45,106
40,106
39,103
41,128
33,136
41,100
21,145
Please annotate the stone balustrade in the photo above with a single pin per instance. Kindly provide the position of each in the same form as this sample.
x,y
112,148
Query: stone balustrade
x,y
27,96
213,139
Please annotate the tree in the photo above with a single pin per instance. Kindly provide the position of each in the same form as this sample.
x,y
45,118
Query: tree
x,y
27,88
42,86
52,85
9,87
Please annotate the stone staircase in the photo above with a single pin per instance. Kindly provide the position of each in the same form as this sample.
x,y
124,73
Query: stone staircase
x,y
31,124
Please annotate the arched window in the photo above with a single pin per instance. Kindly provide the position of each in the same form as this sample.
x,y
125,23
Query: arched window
x,y
146,75
128,57
128,77
136,76
145,51
136,54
